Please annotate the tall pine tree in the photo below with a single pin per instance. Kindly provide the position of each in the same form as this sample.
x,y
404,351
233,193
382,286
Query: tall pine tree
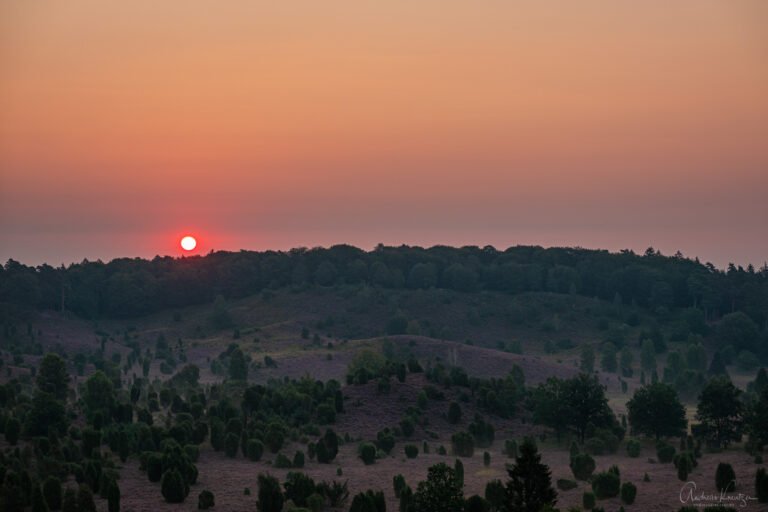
x,y
529,487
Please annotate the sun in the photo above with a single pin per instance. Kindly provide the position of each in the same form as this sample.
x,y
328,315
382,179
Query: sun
x,y
188,243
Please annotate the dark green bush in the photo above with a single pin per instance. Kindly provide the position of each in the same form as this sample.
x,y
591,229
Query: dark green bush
x,y
605,485
588,500
566,485
192,451
85,501
595,446
113,497
281,462
476,503
254,449
298,459
463,444
628,493
52,492
298,487
633,448
69,501
582,466
411,451
725,477
205,500
367,453
665,452
173,487
398,484
761,485
231,444
270,494
154,467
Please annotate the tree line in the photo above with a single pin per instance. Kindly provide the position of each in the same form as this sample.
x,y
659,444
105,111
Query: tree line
x,y
125,288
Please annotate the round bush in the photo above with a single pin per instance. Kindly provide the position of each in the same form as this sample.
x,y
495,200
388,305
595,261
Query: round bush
x,y
254,449
606,485
173,487
231,444
566,485
596,446
154,467
52,492
192,451
205,500
628,493
463,444
665,452
588,500
582,466
411,451
633,448
368,453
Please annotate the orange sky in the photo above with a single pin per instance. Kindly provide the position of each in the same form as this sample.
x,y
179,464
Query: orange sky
x,y
600,124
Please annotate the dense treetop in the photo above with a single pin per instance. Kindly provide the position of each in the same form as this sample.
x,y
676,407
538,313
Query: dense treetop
x,y
126,288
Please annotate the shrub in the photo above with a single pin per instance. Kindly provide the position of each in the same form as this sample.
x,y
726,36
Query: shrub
x,y
398,484
761,485
725,478
582,466
595,446
367,453
281,462
458,468
496,494
628,493
665,452
254,449
463,444
327,447
298,459
633,448
411,451
270,495
69,500
336,492
85,501
154,467
566,485
38,501
486,459
205,500
315,502
192,451
173,487
113,497
605,485
510,448
12,430
454,413
231,444
588,500
476,503
298,487
52,492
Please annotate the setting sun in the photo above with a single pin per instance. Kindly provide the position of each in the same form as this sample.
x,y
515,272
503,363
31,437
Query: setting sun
x,y
188,243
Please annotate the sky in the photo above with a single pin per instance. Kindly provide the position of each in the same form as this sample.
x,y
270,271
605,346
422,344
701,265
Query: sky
x,y
271,125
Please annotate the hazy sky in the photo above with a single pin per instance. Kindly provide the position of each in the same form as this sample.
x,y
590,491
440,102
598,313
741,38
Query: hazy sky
x,y
258,125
